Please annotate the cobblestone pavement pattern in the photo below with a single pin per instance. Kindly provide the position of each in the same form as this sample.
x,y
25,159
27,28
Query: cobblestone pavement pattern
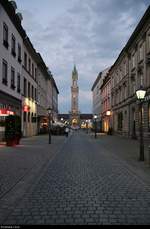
x,y
84,184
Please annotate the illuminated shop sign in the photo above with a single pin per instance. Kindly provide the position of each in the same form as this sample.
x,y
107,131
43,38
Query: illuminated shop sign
x,y
5,112
26,108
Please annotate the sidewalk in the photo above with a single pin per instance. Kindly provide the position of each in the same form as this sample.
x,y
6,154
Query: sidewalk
x,y
127,150
22,161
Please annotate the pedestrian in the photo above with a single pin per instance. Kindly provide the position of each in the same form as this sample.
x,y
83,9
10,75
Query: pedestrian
x,y
67,131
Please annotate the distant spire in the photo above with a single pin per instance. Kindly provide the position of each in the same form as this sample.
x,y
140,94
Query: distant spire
x,y
75,73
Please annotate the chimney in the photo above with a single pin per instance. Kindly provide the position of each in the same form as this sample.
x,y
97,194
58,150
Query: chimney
x,y
14,5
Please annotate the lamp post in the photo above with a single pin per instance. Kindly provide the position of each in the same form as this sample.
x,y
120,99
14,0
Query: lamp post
x,y
95,124
141,95
87,126
49,124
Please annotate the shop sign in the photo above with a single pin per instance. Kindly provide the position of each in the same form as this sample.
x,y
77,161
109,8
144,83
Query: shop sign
x,y
26,108
5,112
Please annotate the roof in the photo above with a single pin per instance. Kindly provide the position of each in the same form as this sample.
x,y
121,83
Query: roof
x,y
134,34
54,84
96,81
101,75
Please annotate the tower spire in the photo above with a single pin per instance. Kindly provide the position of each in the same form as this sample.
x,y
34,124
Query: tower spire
x,y
75,73
75,98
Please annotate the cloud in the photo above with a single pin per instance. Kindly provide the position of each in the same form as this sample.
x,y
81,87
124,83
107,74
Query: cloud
x,y
89,33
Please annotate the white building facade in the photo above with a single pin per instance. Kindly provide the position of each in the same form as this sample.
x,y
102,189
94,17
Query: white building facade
x,y
23,81
11,45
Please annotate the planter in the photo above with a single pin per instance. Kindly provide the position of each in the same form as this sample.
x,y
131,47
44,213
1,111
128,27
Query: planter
x,y
10,143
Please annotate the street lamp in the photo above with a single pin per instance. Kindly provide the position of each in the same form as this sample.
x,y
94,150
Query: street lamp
x,y
49,124
141,95
95,124
108,114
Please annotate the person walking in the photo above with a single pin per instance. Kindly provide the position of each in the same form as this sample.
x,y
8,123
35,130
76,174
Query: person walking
x,y
67,131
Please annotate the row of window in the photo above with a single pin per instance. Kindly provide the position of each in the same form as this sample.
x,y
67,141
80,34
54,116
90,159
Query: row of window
x,y
28,89
29,117
136,57
122,118
5,77
13,43
28,65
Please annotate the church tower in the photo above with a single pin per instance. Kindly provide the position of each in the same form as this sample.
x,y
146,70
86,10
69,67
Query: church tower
x,y
75,99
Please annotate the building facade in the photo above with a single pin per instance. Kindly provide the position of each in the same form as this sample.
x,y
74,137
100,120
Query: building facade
x,y
130,72
29,95
97,99
11,45
20,70
105,90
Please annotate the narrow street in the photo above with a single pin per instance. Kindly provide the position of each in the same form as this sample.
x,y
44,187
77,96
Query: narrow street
x,y
83,183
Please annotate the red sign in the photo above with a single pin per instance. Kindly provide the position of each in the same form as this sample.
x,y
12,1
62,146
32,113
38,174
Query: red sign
x,y
5,112
26,108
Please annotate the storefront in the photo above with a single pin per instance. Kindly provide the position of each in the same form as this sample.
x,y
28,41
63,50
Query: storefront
x,y
8,106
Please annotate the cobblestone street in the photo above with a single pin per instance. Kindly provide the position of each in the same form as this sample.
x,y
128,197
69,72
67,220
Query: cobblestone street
x,y
83,183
